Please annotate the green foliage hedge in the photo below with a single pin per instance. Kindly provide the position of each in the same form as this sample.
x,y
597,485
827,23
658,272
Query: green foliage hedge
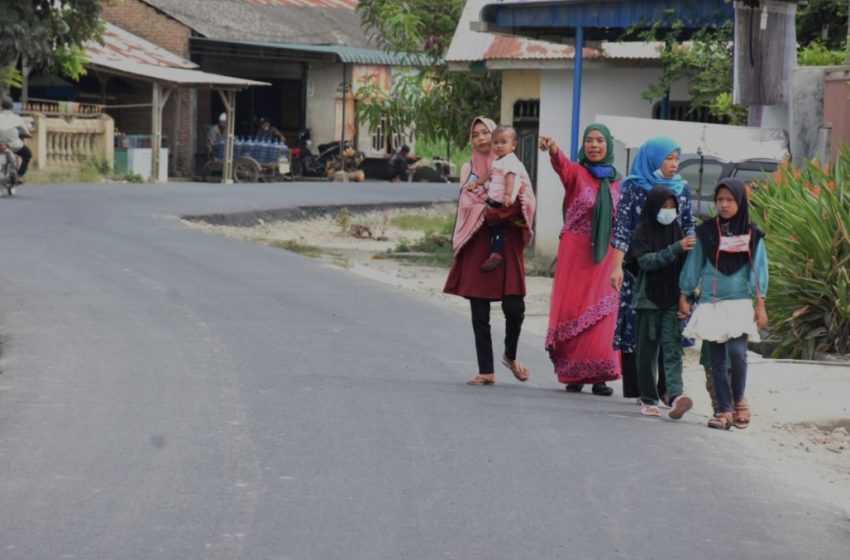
x,y
805,213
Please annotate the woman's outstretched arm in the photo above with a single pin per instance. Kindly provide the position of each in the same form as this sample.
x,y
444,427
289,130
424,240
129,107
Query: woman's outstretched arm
x,y
565,168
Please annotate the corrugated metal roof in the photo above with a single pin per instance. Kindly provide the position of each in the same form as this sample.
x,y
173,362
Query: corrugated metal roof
x,y
311,22
472,46
173,76
126,54
348,55
121,45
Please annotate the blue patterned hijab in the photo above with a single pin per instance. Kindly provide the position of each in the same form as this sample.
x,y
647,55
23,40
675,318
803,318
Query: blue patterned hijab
x,y
646,167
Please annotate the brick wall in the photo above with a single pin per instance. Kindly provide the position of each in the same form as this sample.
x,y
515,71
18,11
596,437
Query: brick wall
x,y
139,18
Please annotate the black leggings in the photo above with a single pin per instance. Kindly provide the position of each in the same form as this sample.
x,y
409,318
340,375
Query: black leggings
x,y
26,155
630,376
514,309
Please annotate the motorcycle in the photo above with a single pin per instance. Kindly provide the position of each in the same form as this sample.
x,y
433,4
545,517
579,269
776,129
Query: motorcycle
x,y
305,163
8,170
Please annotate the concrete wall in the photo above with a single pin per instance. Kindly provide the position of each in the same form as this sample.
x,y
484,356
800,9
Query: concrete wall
x,y
803,117
68,142
516,85
322,83
605,91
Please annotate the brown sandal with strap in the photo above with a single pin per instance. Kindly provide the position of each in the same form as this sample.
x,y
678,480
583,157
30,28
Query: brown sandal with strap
x,y
483,379
741,414
519,370
721,421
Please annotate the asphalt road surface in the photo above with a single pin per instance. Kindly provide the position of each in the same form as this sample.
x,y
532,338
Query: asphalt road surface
x,y
167,394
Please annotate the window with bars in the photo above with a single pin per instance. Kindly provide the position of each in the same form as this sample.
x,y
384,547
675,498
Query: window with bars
x,y
397,141
527,110
682,111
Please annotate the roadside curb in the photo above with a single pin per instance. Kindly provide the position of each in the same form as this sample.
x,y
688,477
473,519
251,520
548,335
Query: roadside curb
x,y
296,213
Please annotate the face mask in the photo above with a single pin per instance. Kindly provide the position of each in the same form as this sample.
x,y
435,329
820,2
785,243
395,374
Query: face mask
x,y
735,243
658,174
667,216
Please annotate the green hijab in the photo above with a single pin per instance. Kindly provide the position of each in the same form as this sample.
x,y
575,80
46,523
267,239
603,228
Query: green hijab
x,y
603,210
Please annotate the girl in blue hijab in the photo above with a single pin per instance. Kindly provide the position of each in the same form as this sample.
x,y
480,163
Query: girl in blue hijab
x,y
656,164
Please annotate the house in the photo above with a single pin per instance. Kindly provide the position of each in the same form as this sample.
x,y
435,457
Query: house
x,y
137,78
537,86
311,52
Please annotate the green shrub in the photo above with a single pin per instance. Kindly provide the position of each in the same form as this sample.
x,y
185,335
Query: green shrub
x,y
805,213
817,54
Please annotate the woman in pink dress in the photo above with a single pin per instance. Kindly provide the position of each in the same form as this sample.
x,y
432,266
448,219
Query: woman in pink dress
x,y
583,311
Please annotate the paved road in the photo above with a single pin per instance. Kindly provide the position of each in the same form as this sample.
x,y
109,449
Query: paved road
x,y
171,395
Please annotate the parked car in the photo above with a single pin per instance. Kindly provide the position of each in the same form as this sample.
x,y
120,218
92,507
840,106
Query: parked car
x,y
713,171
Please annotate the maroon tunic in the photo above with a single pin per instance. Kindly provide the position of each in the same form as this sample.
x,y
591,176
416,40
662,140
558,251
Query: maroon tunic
x,y
466,279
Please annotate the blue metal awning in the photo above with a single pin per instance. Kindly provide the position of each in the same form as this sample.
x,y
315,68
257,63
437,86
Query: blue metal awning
x,y
596,20
600,19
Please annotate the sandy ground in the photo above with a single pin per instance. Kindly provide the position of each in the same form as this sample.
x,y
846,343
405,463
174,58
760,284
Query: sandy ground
x,y
801,422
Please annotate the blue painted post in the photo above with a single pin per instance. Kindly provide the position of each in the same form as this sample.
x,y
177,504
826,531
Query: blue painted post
x,y
579,57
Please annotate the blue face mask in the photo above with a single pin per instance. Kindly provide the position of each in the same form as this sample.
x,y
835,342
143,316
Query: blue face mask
x,y
658,174
667,216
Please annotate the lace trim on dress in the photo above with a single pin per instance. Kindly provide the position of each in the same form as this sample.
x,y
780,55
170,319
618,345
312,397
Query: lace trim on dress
x,y
587,369
573,221
592,315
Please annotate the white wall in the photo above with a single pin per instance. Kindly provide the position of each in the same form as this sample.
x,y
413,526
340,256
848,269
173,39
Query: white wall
x,y
803,117
605,91
322,84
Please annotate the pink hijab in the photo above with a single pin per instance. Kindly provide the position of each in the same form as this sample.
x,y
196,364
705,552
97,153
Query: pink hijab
x,y
480,162
471,205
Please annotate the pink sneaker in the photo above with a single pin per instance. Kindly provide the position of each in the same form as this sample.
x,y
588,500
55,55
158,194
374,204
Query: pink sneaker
x,y
649,409
494,260
681,405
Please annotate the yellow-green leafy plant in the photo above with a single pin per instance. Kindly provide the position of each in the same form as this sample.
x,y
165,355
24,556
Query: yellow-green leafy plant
x,y
805,212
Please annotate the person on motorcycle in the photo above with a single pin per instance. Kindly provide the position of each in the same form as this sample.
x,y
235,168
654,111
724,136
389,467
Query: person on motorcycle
x,y
268,133
398,165
217,135
12,130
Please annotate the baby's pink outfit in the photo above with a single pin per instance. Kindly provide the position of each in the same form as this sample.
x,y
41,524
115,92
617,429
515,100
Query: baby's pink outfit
x,y
500,168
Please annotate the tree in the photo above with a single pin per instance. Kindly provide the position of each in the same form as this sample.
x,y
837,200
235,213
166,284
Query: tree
x,y
47,34
705,60
823,22
440,103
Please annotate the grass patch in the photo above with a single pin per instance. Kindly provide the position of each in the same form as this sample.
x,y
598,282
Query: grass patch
x,y
95,170
429,149
295,247
419,222
432,250
85,174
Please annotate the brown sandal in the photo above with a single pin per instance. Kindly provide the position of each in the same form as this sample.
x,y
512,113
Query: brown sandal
x,y
520,371
483,379
721,421
741,414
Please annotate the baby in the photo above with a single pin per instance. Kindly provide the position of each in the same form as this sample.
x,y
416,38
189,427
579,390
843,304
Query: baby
x,y
506,175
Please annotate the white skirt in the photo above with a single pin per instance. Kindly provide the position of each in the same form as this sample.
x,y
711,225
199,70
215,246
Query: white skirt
x,y
722,321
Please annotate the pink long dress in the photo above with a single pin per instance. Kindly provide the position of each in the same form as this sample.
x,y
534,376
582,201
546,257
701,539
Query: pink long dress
x,y
583,311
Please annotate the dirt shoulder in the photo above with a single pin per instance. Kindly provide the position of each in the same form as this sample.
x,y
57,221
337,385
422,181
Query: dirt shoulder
x,y
801,421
